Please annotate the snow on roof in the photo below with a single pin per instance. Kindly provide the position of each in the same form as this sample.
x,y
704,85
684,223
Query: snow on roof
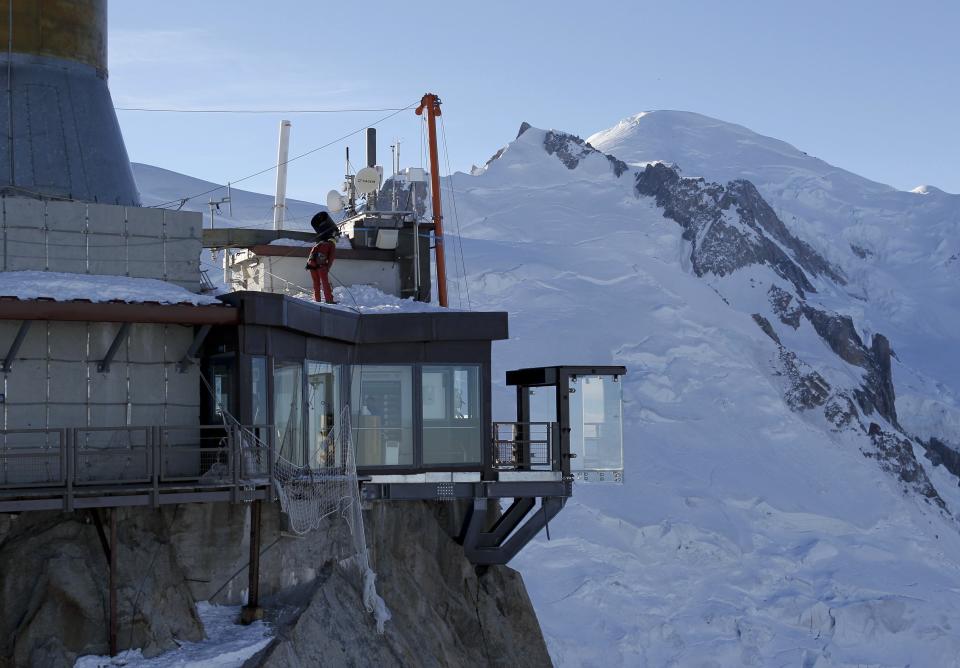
x,y
368,299
62,287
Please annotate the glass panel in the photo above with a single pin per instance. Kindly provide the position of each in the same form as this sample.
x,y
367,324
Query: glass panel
x,y
596,428
221,376
543,404
452,429
287,383
323,407
382,404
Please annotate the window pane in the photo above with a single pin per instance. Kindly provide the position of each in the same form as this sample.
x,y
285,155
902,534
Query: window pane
x,y
258,390
382,404
596,428
259,417
323,409
452,427
287,379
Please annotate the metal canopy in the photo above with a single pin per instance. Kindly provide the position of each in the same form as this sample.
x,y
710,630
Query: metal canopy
x,y
84,311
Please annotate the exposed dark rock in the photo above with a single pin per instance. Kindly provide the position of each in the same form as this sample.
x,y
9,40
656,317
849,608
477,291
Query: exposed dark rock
x,y
780,301
861,252
572,150
523,128
940,453
877,392
53,577
731,227
806,388
840,334
443,613
880,378
766,327
895,455
842,413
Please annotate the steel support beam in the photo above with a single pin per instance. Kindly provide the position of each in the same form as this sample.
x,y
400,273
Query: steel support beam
x,y
252,611
509,521
114,549
15,346
474,538
190,357
104,365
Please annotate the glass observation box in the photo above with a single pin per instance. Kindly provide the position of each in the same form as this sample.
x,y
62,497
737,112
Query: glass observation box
x,y
584,408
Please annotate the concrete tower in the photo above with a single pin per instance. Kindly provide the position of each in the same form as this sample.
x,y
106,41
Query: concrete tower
x,y
59,135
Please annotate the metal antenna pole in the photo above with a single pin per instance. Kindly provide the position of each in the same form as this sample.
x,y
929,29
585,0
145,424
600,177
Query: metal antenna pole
x,y
431,104
283,156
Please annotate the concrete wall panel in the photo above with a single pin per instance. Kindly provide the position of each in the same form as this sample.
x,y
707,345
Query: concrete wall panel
x,y
184,388
182,224
183,262
28,416
26,249
106,219
68,382
34,345
147,384
101,337
67,216
27,383
145,222
159,343
68,341
108,254
109,387
145,257
147,414
22,211
108,415
67,415
183,415
66,252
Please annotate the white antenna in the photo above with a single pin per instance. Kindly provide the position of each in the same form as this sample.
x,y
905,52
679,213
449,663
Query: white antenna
x,y
367,180
334,201
283,153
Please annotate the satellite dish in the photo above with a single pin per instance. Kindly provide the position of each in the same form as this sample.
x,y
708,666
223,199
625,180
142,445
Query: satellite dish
x,y
367,180
334,201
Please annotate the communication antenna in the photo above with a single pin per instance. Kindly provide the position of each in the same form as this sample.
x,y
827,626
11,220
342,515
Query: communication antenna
x,y
334,201
350,188
367,180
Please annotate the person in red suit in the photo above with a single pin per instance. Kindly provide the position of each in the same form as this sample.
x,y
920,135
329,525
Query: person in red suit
x,y
322,256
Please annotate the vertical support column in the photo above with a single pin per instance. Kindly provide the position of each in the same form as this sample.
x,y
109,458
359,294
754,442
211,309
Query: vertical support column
x,y
283,153
113,581
431,105
252,611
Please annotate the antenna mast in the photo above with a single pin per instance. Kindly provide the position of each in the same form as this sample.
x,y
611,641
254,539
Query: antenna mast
x,y
283,152
431,103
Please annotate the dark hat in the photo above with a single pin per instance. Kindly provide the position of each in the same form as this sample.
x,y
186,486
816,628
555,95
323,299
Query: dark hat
x,y
324,226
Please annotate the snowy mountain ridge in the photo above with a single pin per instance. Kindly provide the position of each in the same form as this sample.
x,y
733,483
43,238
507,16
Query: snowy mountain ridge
x,y
782,414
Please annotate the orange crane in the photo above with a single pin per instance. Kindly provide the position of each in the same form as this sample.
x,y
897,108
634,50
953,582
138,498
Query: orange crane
x,y
431,104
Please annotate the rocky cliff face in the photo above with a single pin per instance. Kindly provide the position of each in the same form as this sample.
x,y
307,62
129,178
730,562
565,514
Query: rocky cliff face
x,y
443,613
53,577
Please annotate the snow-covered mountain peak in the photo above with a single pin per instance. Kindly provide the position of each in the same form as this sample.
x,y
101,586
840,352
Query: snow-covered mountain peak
x,y
928,190
695,142
571,152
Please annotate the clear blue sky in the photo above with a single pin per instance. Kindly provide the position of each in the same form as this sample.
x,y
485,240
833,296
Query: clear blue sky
x,y
871,86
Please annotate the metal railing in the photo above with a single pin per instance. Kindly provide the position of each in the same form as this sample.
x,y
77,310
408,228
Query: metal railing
x,y
525,446
126,458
